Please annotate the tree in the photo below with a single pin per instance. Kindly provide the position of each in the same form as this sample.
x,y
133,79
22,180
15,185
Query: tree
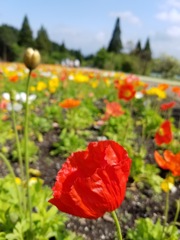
x,y
25,34
146,56
42,41
115,44
138,49
8,38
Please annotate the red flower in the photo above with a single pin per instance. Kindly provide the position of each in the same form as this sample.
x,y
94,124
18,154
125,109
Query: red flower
x,y
69,103
170,161
166,106
93,181
126,91
113,109
164,134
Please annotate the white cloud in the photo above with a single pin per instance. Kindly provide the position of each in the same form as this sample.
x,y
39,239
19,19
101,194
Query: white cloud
x,y
174,31
173,3
172,15
127,16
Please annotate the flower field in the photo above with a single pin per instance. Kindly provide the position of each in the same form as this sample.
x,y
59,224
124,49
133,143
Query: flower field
x,y
77,144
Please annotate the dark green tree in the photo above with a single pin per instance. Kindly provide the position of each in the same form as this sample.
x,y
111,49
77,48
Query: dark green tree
x,y
146,56
138,49
25,34
8,38
115,44
42,41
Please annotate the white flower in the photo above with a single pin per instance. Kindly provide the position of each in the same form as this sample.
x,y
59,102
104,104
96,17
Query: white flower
x,y
17,107
139,95
6,96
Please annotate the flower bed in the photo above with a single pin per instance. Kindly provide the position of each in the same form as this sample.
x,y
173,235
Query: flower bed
x,y
71,108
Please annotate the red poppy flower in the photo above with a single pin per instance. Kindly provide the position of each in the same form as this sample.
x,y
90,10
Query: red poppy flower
x,y
126,91
93,181
170,161
164,134
166,106
113,109
69,103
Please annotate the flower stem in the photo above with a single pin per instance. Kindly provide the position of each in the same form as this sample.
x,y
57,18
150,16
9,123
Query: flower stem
x,y
118,227
177,211
26,148
19,154
166,210
17,143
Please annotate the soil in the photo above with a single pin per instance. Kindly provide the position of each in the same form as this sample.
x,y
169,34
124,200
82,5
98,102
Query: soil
x,y
139,202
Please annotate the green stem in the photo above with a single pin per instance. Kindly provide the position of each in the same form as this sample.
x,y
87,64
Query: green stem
x,y
19,155
11,171
166,210
17,143
26,137
118,227
177,211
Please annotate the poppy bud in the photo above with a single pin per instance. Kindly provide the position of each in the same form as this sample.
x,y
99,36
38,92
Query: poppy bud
x,y
32,58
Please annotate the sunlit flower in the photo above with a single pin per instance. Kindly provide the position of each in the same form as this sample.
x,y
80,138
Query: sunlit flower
x,y
163,86
18,181
176,90
126,91
113,109
17,107
92,182
41,86
168,184
168,105
170,161
14,78
156,91
69,103
164,134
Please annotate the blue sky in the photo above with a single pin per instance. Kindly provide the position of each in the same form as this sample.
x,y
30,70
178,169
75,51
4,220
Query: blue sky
x,y
88,25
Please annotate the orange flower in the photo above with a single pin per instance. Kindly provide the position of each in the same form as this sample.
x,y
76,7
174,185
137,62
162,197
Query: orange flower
x,y
69,103
176,90
126,91
166,106
170,161
163,86
113,109
14,78
164,134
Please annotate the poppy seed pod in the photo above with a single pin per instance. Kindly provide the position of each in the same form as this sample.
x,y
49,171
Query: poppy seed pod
x,y
32,58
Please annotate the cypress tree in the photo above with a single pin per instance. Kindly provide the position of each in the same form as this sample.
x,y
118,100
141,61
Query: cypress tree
x,y
42,41
25,34
146,52
115,44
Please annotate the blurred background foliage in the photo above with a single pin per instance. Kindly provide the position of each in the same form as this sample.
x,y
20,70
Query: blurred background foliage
x,y
129,59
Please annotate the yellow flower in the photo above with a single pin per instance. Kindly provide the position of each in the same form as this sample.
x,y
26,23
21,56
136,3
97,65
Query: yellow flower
x,y
18,181
32,89
156,91
41,86
167,184
94,84
79,77
53,84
